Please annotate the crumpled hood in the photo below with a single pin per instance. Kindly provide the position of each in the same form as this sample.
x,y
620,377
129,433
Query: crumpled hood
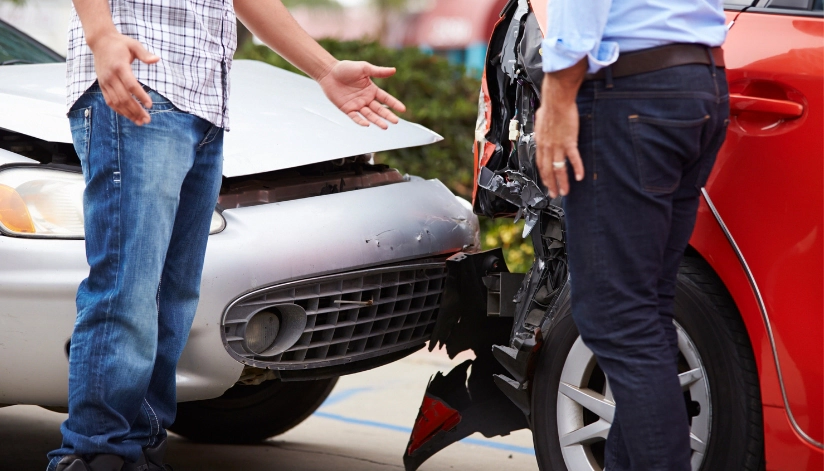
x,y
278,119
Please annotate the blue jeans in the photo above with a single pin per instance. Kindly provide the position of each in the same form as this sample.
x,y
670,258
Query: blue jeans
x,y
150,194
648,143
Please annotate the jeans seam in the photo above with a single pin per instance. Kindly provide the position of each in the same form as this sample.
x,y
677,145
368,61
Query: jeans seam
x,y
106,321
599,261
149,421
154,424
211,134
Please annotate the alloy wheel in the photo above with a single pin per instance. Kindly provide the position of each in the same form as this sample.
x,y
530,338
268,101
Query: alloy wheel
x,y
586,406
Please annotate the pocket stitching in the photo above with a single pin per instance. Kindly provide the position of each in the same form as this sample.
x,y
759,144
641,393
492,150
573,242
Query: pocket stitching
x,y
675,123
636,119
85,126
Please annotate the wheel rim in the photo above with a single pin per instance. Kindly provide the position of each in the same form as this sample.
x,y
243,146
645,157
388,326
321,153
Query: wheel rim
x,y
586,406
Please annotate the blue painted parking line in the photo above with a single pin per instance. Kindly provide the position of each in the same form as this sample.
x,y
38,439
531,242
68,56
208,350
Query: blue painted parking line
x,y
343,395
397,428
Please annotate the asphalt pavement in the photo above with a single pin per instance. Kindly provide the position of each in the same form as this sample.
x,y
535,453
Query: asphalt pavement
x,y
363,426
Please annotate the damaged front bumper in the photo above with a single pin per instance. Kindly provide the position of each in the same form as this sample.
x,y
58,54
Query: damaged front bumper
x,y
262,246
501,317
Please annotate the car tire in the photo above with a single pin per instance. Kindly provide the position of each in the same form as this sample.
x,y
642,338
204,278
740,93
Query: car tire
x,y
250,414
709,323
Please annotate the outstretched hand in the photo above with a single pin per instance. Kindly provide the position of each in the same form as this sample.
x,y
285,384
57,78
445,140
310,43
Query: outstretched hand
x,y
349,86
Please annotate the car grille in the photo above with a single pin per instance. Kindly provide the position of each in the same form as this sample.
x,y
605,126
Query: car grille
x,y
351,316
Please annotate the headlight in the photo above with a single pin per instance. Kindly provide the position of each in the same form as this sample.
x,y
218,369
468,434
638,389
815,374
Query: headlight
x,y
41,202
217,224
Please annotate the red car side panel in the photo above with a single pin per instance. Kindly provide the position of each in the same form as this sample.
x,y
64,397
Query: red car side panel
x,y
784,449
709,240
768,187
781,446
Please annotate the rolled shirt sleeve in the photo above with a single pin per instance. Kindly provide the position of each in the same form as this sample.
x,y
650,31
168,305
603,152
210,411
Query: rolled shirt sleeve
x,y
575,29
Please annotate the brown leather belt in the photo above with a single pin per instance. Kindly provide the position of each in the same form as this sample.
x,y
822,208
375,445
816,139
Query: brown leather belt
x,y
659,58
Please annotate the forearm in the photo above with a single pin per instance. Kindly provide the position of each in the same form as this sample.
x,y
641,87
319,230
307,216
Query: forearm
x,y
560,88
272,23
96,18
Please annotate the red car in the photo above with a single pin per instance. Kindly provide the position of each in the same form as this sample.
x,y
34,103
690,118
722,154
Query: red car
x,y
750,299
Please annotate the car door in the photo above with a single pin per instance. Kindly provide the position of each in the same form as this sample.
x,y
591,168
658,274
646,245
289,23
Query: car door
x,y
768,186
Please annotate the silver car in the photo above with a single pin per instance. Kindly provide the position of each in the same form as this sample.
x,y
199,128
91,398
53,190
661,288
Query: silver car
x,y
320,262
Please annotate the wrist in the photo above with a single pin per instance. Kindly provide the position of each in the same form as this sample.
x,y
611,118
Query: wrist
x,y
96,36
562,86
323,69
559,93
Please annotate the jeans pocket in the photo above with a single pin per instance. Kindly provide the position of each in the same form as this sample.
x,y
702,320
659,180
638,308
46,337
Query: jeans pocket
x,y
709,157
80,120
663,147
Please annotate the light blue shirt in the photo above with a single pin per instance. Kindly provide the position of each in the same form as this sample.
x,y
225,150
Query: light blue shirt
x,y
601,29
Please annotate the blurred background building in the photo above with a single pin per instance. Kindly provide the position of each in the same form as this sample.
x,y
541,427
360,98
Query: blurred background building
x,y
456,29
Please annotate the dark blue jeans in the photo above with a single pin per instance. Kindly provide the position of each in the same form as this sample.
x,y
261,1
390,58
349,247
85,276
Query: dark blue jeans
x,y
150,194
648,143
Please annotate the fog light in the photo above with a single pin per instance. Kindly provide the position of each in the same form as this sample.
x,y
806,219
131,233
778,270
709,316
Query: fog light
x,y
271,330
261,331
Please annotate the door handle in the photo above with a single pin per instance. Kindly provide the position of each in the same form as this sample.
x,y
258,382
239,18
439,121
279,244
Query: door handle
x,y
780,108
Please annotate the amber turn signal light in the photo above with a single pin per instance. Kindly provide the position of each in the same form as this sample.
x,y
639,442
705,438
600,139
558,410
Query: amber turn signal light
x,y
14,215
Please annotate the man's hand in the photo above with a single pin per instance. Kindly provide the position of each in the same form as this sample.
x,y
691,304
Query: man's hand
x,y
113,57
556,128
349,86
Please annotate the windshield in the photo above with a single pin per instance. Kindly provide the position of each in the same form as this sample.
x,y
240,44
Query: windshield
x,y
17,48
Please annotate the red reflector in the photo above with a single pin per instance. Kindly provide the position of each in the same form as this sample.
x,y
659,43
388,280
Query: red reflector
x,y
433,417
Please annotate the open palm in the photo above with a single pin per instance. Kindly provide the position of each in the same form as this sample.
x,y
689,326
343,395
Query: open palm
x,y
349,86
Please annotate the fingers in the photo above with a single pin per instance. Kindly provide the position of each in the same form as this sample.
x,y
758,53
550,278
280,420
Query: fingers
x,y
129,105
554,169
134,87
357,118
543,159
373,117
383,97
576,162
141,53
383,112
119,99
560,174
378,72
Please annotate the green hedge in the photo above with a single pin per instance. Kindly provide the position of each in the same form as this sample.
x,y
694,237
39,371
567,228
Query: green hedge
x,y
440,96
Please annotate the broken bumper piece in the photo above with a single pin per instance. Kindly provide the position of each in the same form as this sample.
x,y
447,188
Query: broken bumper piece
x,y
458,404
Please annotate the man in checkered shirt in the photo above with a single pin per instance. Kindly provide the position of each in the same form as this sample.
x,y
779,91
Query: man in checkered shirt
x,y
148,82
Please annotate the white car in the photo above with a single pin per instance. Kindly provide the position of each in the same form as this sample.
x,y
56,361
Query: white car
x,y
345,258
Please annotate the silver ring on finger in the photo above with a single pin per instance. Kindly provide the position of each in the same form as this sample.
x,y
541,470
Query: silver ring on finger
x,y
559,165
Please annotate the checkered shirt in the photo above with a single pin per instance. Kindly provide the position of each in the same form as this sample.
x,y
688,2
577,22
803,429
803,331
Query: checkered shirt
x,y
195,40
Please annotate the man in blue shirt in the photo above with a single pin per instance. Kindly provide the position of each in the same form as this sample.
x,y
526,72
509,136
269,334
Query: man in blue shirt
x,y
635,99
